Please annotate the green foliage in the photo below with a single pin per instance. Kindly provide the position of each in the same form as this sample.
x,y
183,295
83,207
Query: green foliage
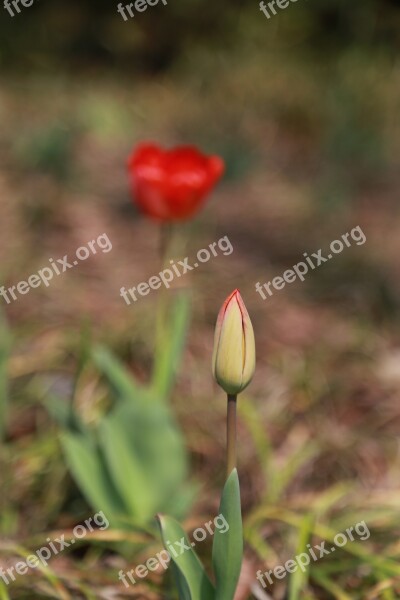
x,y
86,462
191,578
3,592
228,546
48,150
133,462
156,38
170,347
298,580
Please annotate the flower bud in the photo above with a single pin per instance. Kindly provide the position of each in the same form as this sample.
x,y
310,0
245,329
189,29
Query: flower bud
x,y
234,356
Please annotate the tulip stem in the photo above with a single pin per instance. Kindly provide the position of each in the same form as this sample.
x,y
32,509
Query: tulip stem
x,y
166,234
231,434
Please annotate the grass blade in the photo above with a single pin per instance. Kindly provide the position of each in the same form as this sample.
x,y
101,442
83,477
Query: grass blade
x,y
299,578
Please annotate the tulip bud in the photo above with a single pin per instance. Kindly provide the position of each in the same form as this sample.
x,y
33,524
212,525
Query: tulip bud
x,y
234,356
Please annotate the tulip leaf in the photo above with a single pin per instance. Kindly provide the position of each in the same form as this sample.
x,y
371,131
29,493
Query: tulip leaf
x,y
120,379
191,579
126,470
134,460
179,503
88,469
62,411
146,438
228,546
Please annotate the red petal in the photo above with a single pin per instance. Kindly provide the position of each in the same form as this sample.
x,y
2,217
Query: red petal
x,y
172,184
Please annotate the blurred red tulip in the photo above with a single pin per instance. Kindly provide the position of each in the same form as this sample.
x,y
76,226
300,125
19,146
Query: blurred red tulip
x,y
171,185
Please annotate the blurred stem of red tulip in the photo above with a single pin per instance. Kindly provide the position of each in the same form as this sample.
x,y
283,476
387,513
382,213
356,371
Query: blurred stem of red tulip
x,y
166,241
172,245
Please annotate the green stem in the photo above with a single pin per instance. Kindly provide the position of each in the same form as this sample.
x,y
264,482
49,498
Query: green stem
x,y
231,434
165,245
161,334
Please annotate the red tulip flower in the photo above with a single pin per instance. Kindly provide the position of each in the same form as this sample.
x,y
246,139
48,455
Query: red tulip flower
x,y
172,185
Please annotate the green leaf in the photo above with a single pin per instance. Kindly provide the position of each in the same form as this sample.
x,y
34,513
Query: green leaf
x,y
62,411
3,592
135,459
120,379
228,546
89,472
170,344
127,471
299,579
178,505
191,579
146,456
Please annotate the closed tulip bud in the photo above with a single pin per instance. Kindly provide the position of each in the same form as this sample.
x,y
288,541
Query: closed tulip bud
x,y
234,357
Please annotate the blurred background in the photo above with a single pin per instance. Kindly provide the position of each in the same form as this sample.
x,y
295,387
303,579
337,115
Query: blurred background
x,y
304,109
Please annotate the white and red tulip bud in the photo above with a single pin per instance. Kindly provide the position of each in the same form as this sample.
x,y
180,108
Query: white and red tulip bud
x,y
234,357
